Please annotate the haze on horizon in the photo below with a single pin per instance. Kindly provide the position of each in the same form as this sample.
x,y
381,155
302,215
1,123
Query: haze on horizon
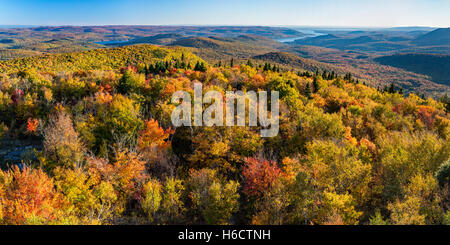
x,y
338,13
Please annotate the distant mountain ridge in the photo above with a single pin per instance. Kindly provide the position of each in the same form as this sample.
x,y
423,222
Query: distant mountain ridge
x,y
197,42
291,60
435,66
384,41
440,36
160,39
342,50
224,48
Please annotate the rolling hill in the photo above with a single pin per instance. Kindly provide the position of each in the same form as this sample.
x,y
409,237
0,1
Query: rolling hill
x,y
437,37
385,41
197,42
24,42
290,60
361,66
160,39
340,50
213,49
368,42
435,66
127,32
109,58
23,47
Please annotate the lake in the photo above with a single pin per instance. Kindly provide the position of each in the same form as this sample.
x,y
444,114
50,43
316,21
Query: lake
x,y
308,33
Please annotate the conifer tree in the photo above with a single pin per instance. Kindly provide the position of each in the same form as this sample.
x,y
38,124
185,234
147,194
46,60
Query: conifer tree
x,y
197,66
391,88
325,75
308,91
146,71
249,63
316,85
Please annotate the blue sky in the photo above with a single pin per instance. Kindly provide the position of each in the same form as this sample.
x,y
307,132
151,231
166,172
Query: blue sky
x,y
375,13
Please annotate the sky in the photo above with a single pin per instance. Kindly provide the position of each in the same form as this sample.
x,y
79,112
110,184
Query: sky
x,y
348,13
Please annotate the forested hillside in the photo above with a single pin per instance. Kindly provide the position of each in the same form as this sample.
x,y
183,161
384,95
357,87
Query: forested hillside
x,y
102,59
349,50
104,150
24,42
438,37
435,66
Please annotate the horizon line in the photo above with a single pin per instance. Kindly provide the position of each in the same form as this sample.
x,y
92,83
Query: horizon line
x,y
218,25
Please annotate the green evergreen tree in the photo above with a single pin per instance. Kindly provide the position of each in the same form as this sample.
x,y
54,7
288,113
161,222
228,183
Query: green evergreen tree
x,y
446,101
200,66
124,85
146,71
331,75
308,91
249,63
316,85
391,88
324,75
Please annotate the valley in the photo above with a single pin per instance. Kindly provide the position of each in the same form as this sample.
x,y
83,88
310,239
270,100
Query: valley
x,y
215,121
406,57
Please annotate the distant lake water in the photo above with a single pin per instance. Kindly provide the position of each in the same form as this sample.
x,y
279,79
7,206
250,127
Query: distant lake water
x,y
308,34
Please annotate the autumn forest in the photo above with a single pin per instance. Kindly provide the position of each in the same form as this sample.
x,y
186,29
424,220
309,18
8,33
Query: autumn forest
x,y
96,145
